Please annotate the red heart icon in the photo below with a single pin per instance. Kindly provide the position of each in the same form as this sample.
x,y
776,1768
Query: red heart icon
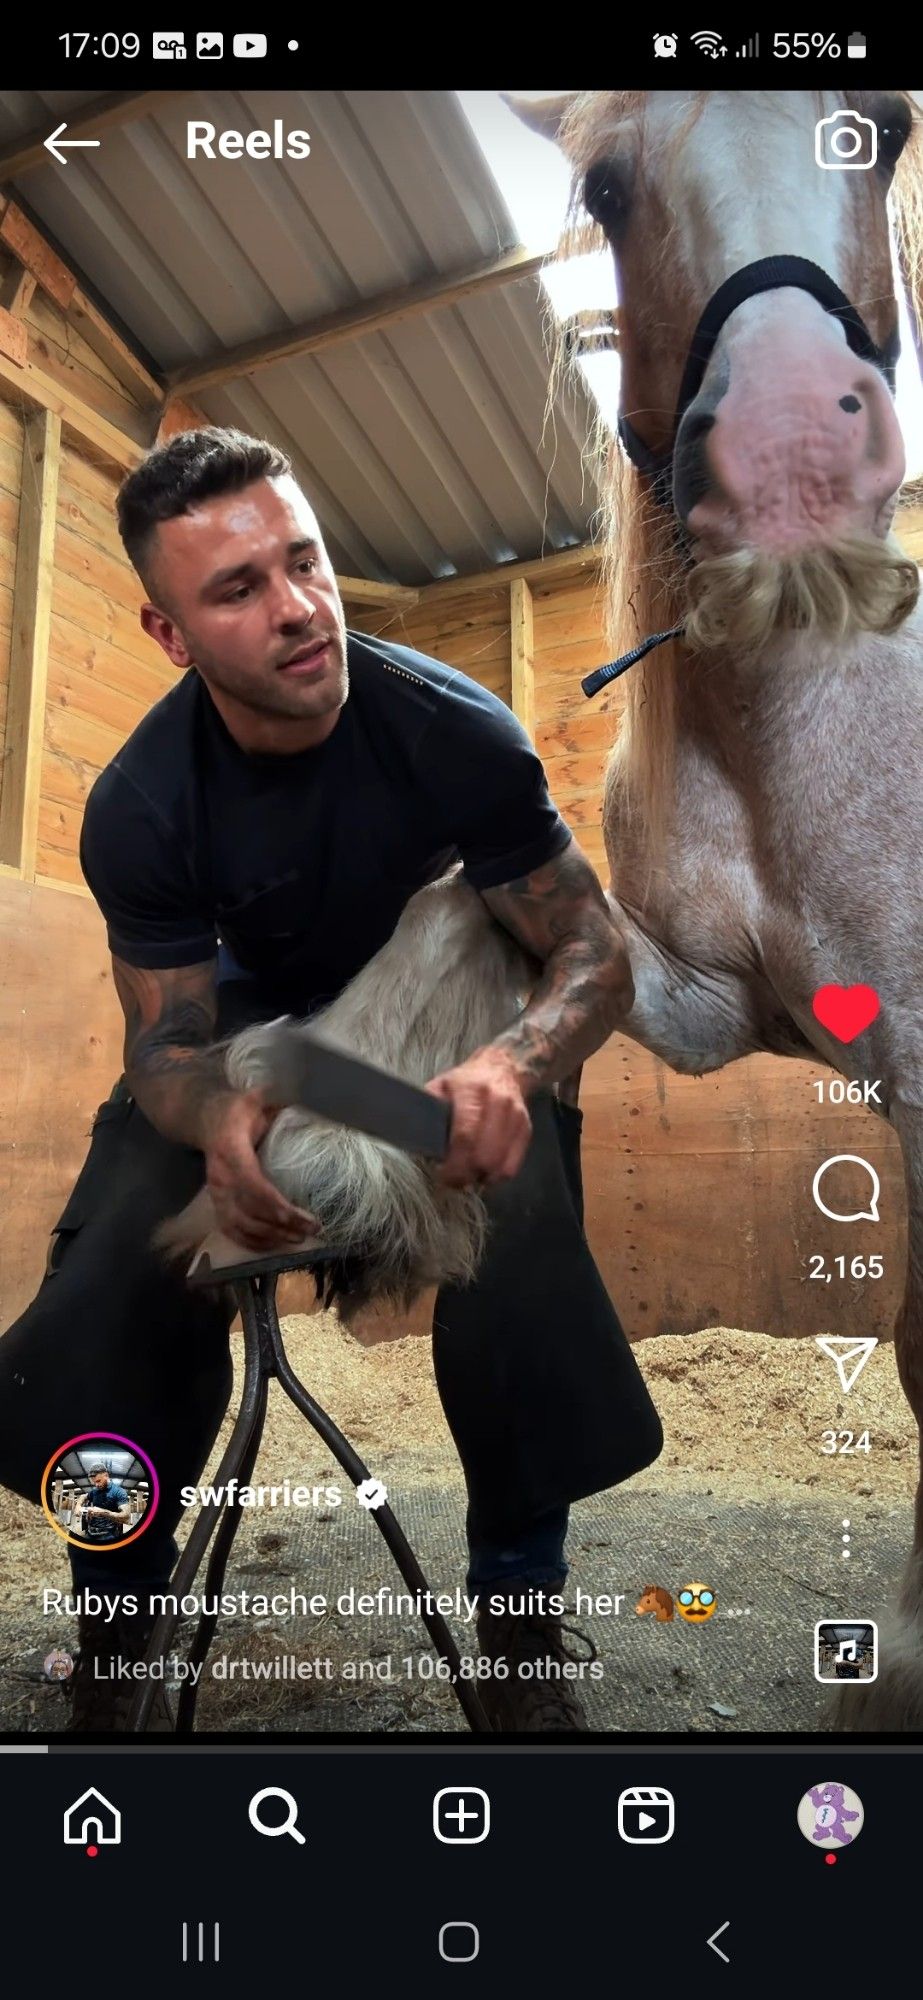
x,y
846,1010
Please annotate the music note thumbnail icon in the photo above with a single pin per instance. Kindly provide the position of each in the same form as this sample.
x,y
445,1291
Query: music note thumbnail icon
x,y
845,1649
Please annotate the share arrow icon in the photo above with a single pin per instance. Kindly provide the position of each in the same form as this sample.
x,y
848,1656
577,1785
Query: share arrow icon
x,y
848,1356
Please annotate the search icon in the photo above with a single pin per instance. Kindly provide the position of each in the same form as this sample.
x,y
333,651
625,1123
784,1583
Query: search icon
x,y
287,1825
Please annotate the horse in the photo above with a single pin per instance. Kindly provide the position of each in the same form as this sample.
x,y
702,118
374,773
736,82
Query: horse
x,y
762,813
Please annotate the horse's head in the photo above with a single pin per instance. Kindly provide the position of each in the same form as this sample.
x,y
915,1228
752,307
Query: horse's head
x,y
788,445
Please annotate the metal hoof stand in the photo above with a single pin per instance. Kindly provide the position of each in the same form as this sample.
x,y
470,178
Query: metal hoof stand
x,y
254,1286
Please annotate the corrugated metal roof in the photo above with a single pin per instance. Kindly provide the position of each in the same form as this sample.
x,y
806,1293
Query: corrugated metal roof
x,y
424,446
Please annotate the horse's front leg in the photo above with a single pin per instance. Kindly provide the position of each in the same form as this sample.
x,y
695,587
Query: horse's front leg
x,y
697,1017
895,1700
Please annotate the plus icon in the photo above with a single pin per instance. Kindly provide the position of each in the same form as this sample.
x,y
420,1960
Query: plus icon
x,y
457,1823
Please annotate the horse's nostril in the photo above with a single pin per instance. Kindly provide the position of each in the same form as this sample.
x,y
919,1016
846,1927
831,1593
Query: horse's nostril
x,y
850,403
691,479
696,425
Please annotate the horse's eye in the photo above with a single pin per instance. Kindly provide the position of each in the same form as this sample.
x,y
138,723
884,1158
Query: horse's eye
x,y
604,194
893,133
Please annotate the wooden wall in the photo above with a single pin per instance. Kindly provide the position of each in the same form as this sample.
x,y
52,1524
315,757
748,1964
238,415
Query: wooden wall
x,y
10,486
103,671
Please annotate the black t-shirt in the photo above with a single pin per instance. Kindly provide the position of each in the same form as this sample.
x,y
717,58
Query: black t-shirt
x,y
111,1497
299,865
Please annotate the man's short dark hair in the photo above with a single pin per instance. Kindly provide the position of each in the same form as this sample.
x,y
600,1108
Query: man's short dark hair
x,y
192,466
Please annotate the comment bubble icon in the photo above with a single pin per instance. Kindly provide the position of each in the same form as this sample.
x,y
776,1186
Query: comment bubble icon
x,y
869,1214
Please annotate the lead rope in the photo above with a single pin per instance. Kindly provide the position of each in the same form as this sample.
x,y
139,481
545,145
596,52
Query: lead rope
x,y
601,676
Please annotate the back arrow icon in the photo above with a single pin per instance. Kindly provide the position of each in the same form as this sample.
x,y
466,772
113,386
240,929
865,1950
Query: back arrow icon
x,y
55,143
716,1947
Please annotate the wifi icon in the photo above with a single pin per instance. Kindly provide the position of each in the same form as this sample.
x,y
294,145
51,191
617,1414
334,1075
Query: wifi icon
x,y
709,44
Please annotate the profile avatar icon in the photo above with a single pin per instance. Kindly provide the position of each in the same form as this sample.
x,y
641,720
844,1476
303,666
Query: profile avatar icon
x,y
99,1491
695,1603
831,1815
58,1665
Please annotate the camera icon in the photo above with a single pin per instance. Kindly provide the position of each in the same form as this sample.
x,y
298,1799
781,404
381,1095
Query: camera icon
x,y
846,140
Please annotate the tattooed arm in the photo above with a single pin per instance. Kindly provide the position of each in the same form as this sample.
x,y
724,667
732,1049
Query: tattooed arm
x,y
171,1066
176,1075
560,914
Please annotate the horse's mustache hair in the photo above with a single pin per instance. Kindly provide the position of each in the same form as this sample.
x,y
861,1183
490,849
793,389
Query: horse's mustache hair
x,y
448,980
741,598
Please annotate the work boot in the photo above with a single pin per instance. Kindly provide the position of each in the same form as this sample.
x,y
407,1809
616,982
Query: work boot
x,y
526,1700
100,1702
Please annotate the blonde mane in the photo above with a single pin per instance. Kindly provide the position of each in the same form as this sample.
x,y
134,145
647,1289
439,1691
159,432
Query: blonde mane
x,y
732,600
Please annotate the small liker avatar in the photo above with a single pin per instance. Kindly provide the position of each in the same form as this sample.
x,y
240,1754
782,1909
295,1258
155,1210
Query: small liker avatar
x,y
58,1665
654,1598
695,1603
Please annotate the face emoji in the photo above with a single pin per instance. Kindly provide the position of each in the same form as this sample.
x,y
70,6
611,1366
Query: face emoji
x,y
696,1603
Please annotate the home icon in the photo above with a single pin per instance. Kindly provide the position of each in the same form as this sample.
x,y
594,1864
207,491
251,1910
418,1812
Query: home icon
x,y
92,1821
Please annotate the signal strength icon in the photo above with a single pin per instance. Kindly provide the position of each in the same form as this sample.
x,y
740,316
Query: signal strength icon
x,y
750,48
709,44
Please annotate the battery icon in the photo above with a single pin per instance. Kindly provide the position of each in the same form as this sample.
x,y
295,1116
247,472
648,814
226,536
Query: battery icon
x,y
855,46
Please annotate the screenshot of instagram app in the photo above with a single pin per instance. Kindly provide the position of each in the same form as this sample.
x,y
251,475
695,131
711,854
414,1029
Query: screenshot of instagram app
x,y
461,717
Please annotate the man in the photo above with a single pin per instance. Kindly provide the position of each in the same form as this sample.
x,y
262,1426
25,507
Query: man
x,y
251,848
102,1509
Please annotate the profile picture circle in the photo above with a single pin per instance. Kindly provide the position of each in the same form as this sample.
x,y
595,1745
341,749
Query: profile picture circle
x,y
831,1815
58,1665
100,1491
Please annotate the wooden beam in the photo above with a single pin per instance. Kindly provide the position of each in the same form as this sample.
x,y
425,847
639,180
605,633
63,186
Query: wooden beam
x,y
104,114
523,674
363,590
29,385
25,723
93,327
49,271
351,322
177,415
538,570
28,245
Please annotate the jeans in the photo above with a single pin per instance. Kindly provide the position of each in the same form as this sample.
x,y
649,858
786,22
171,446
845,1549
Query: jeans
x,y
534,1557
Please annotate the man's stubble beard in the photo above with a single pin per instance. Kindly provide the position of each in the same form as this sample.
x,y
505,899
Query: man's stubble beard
x,y
274,695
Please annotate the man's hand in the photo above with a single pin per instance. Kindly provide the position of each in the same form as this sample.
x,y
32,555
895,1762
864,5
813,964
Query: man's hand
x,y
491,1127
247,1205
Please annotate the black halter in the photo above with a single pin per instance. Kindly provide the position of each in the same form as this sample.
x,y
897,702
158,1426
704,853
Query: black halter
x,y
767,274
